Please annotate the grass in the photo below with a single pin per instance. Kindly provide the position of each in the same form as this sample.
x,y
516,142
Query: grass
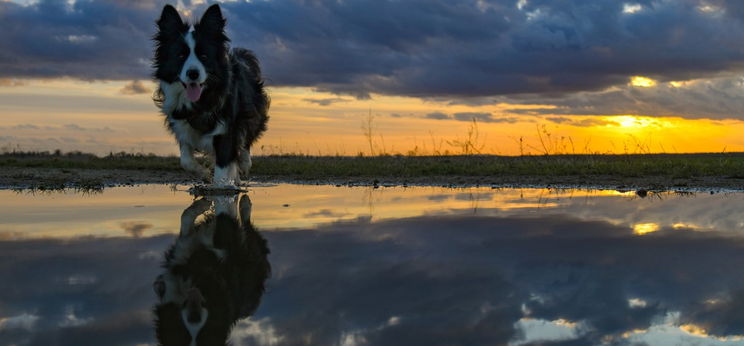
x,y
670,165
725,165
89,161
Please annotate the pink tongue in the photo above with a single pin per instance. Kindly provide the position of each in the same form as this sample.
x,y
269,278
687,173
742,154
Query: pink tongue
x,y
193,91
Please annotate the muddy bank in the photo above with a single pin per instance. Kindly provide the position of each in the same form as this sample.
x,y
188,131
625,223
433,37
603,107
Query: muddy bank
x,y
57,178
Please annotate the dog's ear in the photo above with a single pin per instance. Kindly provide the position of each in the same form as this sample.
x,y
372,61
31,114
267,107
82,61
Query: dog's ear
x,y
212,20
170,19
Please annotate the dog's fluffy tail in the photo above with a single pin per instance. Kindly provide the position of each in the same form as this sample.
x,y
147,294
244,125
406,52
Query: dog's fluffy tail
x,y
249,59
246,63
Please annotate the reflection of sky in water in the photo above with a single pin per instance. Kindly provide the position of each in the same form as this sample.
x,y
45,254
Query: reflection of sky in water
x,y
149,209
391,266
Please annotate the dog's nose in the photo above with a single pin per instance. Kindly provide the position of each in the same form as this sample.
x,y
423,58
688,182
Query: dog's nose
x,y
193,74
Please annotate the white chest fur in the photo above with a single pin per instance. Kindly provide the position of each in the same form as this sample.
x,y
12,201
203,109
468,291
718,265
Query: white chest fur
x,y
188,136
174,99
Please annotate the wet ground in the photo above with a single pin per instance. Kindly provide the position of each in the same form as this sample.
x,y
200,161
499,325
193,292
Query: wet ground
x,y
92,179
371,266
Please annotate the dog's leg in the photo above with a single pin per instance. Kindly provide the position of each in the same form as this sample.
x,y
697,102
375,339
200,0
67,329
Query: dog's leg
x,y
245,210
227,205
189,215
226,161
245,162
188,162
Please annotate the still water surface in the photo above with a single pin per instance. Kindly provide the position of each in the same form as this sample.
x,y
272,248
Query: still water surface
x,y
364,266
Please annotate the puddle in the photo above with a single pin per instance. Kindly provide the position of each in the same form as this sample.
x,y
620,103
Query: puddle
x,y
366,266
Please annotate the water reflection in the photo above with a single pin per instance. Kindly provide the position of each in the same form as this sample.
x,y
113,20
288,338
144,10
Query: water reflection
x,y
213,274
422,266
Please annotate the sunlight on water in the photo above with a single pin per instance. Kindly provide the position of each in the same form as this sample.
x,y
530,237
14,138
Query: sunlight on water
x,y
115,211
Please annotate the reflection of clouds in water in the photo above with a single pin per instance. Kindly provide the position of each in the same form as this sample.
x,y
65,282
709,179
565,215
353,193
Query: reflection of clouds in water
x,y
533,330
325,213
703,211
474,196
23,321
69,215
135,228
69,292
444,279
447,278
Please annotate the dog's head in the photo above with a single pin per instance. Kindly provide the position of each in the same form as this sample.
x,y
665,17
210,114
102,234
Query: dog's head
x,y
198,315
192,56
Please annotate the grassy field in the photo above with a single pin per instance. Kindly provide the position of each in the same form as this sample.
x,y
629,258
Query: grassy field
x,y
723,165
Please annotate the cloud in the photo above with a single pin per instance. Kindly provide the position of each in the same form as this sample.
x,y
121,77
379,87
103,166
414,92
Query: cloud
x,y
554,266
25,127
419,48
325,101
715,98
104,39
483,117
10,82
87,288
76,127
476,48
437,116
134,88
587,122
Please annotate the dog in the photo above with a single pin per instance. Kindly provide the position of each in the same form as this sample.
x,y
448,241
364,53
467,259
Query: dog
x,y
213,274
213,98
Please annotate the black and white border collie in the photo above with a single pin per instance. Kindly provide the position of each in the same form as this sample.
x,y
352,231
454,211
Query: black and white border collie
x,y
213,98
213,275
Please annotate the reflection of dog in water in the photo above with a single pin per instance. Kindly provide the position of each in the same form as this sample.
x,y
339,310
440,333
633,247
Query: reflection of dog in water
x,y
213,275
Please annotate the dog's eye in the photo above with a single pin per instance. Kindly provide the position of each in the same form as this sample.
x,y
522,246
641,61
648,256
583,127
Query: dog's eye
x,y
202,56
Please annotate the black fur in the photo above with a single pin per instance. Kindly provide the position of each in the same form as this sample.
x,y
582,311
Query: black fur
x,y
233,91
232,286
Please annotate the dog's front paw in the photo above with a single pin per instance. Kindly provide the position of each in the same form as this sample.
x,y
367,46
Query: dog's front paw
x,y
226,177
245,168
245,164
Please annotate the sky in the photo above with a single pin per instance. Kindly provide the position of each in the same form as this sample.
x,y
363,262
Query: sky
x,y
421,77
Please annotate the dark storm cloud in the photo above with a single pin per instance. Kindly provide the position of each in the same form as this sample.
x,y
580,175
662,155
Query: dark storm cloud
x,y
421,48
715,98
104,39
470,48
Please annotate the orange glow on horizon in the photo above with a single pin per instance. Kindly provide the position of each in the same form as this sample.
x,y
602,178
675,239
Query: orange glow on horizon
x,y
305,121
